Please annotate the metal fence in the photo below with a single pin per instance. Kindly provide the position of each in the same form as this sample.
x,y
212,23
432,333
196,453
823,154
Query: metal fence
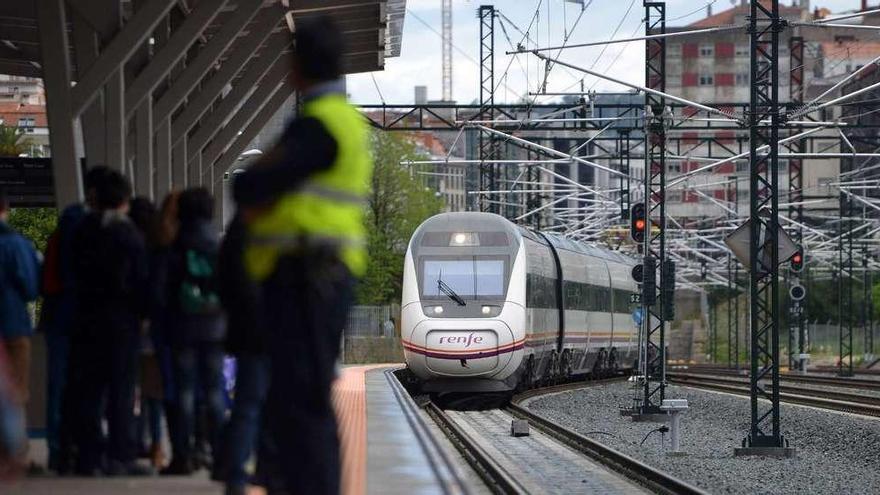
x,y
824,339
369,336
368,321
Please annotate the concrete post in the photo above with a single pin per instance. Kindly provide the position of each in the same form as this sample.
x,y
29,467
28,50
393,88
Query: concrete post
x,y
56,78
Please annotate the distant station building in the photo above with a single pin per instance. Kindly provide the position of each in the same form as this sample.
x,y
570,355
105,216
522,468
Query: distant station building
x,y
447,180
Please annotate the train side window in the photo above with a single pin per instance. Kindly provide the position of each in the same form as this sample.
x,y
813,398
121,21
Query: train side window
x,y
621,300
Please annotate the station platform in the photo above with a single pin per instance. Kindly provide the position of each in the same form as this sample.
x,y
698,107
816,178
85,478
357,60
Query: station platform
x,y
387,448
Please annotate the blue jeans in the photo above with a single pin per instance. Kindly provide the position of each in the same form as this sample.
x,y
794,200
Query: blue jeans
x,y
199,365
57,351
251,385
149,423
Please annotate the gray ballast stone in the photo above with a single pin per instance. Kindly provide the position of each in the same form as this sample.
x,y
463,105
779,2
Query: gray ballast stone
x,y
836,452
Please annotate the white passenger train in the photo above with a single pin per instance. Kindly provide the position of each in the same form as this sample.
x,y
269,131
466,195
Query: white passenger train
x,y
490,307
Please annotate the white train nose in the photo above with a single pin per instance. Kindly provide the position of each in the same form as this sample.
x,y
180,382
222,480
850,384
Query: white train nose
x,y
462,348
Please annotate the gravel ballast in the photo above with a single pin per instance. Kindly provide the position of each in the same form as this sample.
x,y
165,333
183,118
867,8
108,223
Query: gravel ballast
x,y
836,452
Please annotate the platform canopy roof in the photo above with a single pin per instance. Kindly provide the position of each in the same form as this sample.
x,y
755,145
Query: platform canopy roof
x,y
372,28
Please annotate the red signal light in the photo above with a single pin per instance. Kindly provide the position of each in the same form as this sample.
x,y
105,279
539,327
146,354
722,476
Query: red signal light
x,y
640,224
797,261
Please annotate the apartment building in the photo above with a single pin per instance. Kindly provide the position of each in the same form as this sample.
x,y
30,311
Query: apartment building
x,y
20,89
713,69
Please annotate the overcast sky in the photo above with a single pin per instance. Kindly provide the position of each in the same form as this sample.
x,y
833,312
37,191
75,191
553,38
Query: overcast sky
x,y
419,62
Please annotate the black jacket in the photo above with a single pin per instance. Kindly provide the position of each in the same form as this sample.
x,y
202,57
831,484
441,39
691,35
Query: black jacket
x,y
240,295
110,269
186,328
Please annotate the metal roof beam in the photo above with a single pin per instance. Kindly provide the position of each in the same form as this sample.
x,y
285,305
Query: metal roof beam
x,y
232,66
19,68
244,48
133,35
170,54
212,124
246,112
248,134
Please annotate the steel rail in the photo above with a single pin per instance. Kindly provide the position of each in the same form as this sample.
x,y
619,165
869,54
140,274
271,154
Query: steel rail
x,y
497,479
500,481
852,403
633,469
830,394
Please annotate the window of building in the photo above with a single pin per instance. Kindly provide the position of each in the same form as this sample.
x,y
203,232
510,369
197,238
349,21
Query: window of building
x,y
26,122
674,167
707,79
742,50
707,49
673,50
742,79
673,196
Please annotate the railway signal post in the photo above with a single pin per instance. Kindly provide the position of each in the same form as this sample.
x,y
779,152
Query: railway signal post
x,y
654,387
797,90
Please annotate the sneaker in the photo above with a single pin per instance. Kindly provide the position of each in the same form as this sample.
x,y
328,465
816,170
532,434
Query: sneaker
x,y
157,457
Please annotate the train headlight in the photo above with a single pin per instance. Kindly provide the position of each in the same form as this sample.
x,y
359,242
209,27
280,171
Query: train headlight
x,y
464,239
438,310
487,309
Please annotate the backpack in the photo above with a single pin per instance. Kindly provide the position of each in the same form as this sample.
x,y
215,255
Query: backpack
x,y
197,294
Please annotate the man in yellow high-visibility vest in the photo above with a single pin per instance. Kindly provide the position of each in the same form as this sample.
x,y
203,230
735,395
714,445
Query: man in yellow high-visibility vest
x,y
304,206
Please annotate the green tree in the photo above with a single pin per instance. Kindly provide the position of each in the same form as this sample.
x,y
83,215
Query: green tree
x,y
36,224
13,141
398,203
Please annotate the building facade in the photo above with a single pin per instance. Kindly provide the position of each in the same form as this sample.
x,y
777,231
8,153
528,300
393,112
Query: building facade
x,y
713,69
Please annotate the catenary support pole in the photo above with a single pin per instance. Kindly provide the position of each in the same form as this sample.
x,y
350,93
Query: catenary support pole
x,y
655,203
488,142
765,437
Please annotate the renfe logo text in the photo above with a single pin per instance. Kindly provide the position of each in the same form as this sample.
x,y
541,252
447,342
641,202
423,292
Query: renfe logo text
x,y
461,339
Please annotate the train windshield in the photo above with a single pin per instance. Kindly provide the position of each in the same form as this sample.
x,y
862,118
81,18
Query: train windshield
x,y
472,277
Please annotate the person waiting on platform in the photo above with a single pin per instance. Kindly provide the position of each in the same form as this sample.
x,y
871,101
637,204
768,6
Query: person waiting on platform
x,y
110,268
197,326
303,204
19,279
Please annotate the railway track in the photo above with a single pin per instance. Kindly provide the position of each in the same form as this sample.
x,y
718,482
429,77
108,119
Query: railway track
x,y
824,399
579,464
848,382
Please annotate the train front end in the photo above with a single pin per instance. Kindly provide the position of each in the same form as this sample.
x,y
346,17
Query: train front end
x,y
462,319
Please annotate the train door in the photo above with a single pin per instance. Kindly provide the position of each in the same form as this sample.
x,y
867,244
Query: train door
x,y
608,306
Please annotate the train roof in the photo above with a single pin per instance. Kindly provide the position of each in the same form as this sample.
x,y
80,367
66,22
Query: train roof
x,y
472,221
560,242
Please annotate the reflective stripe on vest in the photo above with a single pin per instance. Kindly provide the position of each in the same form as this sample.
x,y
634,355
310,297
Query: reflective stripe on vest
x,y
333,194
328,210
